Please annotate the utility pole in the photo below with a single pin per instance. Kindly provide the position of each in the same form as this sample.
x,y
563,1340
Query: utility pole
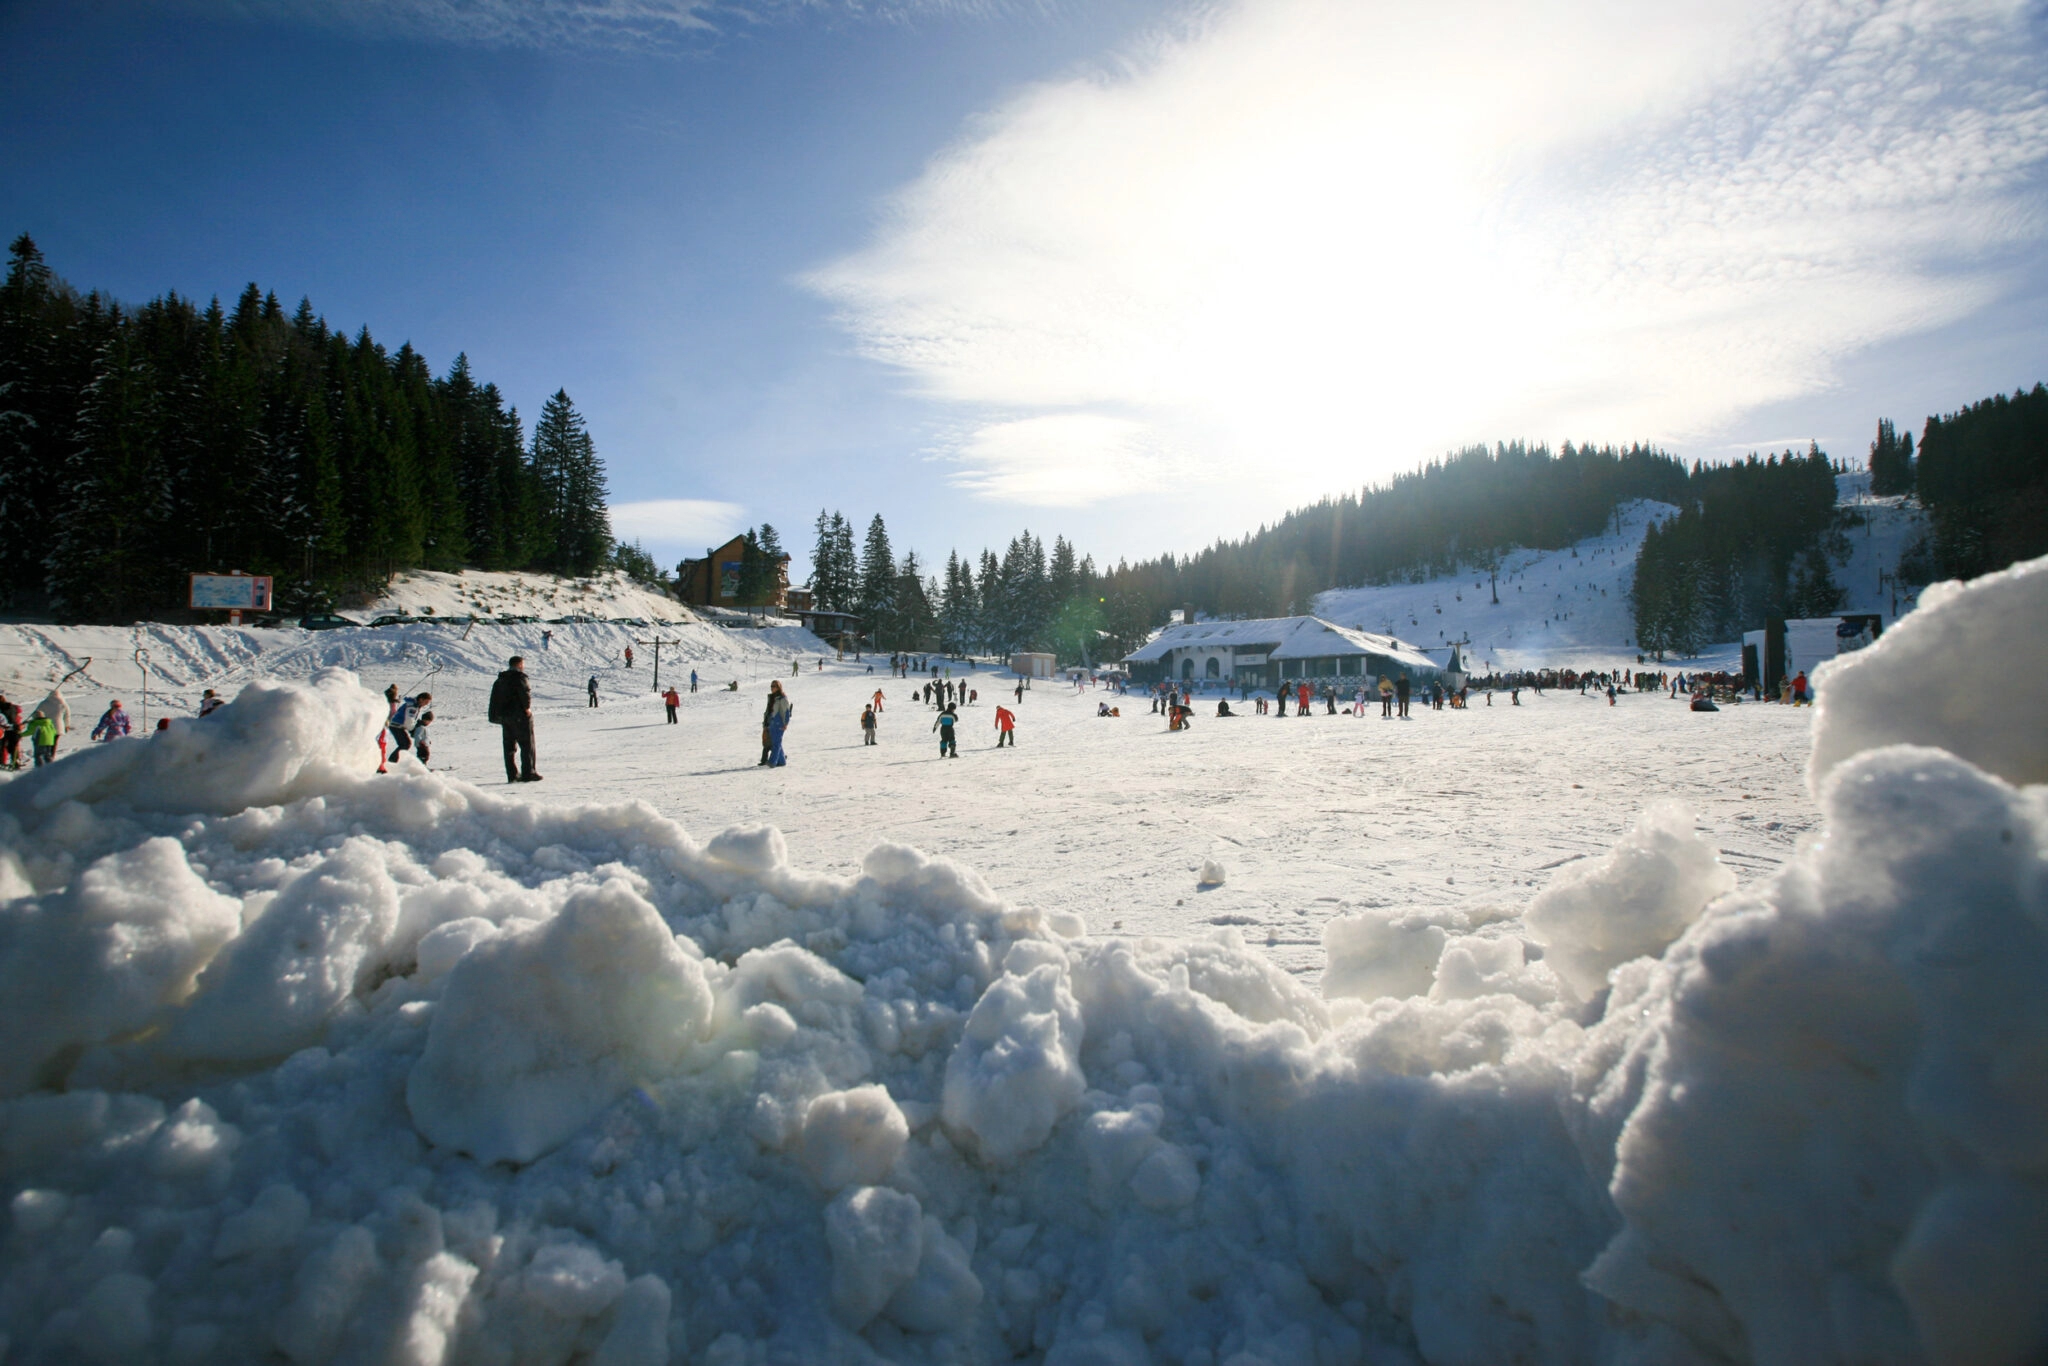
x,y
657,643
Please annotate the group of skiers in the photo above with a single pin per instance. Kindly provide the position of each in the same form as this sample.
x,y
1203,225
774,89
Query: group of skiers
x,y
405,727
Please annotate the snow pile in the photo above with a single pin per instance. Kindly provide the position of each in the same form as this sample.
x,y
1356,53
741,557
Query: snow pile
x,y
320,1066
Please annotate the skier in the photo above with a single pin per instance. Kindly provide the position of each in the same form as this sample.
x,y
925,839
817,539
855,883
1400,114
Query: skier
x,y
867,725
1386,696
405,717
592,686
113,725
547,640
511,711
671,699
1610,694
384,732
949,743
774,721
1020,692
211,702
693,680
878,701
1301,699
1402,687
629,656
1006,727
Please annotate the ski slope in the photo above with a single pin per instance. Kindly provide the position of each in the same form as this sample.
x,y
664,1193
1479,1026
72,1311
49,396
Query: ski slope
x,y
1569,609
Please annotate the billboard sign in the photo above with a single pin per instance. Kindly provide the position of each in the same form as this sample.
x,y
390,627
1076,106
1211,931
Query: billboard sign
x,y
231,592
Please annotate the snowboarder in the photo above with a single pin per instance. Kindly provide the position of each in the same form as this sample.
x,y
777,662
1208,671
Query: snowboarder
x,y
113,725
511,711
774,721
949,743
1006,727
1799,697
592,687
867,725
671,699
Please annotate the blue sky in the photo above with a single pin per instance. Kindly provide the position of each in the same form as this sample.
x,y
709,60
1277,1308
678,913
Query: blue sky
x,y
1141,273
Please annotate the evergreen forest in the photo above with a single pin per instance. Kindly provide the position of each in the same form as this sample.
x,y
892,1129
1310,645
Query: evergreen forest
x,y
140,444
1982,475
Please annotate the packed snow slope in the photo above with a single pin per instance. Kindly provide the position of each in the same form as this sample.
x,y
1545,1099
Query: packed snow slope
x,y
1570,608
487,593
307,1064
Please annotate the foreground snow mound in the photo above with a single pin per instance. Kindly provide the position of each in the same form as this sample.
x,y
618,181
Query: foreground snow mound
x,y
317,1066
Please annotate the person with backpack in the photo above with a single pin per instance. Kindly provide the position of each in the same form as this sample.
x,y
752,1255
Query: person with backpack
x,y
511,711
774,722
42,736
867,725
592,686
949,743
113,724
671,699
1006,727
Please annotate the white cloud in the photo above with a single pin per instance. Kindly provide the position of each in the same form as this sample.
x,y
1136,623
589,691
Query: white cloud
x,y
616,25
1318,237
687,525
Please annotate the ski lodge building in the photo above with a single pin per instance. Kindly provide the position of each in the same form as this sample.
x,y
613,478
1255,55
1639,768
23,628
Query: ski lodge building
x,y
1265,652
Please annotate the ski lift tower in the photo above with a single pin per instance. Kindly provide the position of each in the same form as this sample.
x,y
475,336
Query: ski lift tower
x,y
1455,672
657,643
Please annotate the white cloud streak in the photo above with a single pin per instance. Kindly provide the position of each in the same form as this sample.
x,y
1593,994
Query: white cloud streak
x,y
625,26
1321,235
687,525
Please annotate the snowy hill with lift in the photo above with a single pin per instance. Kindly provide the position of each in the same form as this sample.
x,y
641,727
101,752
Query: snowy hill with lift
x,y
1569,608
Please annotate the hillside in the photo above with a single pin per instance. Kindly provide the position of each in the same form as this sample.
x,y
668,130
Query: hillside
x,y
609,595
1570,608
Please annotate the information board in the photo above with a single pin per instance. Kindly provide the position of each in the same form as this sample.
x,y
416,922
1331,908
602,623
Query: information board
x,y
231,592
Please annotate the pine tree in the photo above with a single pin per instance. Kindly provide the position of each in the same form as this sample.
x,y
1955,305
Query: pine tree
x,y
574,524
112,495
876,601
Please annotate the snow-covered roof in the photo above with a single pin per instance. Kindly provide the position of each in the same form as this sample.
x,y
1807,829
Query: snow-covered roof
x,y
1283,638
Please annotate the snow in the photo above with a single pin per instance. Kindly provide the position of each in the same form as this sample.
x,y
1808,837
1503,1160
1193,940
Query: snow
x,y
329,1066
488,593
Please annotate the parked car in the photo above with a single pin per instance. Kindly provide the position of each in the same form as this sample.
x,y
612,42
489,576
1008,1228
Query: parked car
x,y
390,619
325,621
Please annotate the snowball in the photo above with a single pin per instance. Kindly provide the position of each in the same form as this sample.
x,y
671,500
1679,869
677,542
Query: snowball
x,y
1167,1179
274,989
272,1223
876,1236
639,1335
944,1291
1382,952
1631,902
102,957
115,1324
1967,671
1017,1067
852,1137
539,1031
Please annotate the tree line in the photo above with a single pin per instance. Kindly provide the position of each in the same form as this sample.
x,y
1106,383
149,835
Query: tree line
x,y
1024,599
1982,476
1751,540
138,444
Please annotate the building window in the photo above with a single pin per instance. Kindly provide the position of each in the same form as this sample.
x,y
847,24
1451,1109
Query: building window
x,y
1215,667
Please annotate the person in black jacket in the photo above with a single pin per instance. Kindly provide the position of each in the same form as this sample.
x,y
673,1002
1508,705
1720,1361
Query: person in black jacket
x,y
512,713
